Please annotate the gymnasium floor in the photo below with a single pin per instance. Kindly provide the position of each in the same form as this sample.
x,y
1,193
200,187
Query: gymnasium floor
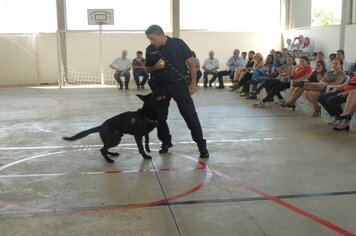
x,y
271,171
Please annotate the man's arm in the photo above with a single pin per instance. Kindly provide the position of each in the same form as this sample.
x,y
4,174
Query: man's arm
x,y
193,75
113,67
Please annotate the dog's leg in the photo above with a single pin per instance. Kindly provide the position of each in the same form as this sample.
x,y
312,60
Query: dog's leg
x,y
104,153
110,140
113,143
147,141
140,147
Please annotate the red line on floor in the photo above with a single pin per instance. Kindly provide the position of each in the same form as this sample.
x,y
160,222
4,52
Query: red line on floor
x,y
287,205
207,179
98,172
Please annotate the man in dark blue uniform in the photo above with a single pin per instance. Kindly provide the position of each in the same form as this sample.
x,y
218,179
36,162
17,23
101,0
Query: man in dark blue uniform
x,y
170,62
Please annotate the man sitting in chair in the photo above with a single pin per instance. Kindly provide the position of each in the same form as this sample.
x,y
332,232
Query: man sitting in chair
x,y
139,69
122,65
234,62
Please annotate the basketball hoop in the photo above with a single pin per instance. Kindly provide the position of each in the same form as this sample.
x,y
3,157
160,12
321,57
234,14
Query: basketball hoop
x,y
100,16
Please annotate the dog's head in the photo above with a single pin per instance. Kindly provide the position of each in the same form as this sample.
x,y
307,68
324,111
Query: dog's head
x,y
152,103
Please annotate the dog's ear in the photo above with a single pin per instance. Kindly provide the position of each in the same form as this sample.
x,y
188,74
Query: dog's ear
x,y
142,97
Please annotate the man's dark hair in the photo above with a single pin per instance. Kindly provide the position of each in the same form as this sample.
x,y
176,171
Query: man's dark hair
x,y
278,53
139,52
154,29
341,51
305,58
251,52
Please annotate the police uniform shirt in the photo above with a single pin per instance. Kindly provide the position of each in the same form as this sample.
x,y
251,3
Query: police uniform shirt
x,y
175,51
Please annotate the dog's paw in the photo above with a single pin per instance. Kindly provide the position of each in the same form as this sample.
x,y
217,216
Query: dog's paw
x,y
114,154
109,160
147,157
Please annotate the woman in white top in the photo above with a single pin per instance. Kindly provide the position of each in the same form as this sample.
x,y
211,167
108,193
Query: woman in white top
x,y
306,48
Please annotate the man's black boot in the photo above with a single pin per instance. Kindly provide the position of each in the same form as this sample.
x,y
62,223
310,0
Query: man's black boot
x,y
204,153
165,146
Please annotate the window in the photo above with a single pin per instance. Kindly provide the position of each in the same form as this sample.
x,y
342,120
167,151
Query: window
x,y
24,16
128,15
326,12
227,15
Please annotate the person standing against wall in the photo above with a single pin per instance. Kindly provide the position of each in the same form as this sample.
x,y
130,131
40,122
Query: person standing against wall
x,y
170,62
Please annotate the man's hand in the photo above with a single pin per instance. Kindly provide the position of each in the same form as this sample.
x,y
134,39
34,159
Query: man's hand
x,y
160,64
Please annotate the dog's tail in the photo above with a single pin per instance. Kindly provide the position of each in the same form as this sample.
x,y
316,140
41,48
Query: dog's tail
x,y
83,134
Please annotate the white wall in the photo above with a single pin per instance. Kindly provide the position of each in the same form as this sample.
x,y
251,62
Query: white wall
x,y
17,60
41,65
23,63
47,59
350,45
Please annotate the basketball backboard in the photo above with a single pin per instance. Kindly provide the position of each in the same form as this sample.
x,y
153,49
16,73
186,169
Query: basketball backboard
x,y
100,16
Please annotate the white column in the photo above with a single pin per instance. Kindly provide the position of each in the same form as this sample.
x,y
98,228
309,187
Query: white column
x,y
175,9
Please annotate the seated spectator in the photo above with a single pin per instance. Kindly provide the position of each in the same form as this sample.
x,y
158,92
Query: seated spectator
x,y
210,67
307,48
285,54
259,75
289,46
349,110
246,80
347,65
314,60
244,57
285,72
239,72
139,69
318,74
313,90
246,75
332,100
197,65
122,66
332,56
301,72
326,61
297,54
272,52
234,62
297,42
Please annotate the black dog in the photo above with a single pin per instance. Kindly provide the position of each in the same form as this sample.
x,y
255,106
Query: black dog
x,y
138,124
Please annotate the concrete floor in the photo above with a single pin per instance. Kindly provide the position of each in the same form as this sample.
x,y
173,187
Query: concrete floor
x,y
271,171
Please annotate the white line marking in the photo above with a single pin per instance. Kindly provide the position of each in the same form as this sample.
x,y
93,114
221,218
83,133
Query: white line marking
x,y
134,144
29,158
